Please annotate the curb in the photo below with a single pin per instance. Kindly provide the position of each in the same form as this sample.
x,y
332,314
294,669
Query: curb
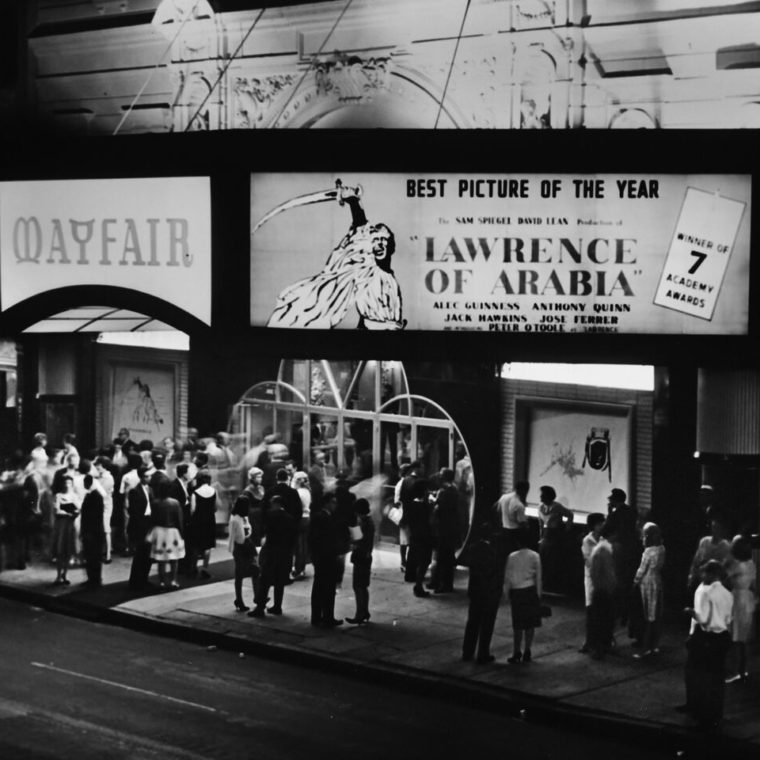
x,y
517,705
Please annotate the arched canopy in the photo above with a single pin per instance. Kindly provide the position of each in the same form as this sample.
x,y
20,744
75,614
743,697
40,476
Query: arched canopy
x,y
136,309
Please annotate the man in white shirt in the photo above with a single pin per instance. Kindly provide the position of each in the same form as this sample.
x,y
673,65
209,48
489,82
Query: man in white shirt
x,y
707,647
510,508
129,480
105,482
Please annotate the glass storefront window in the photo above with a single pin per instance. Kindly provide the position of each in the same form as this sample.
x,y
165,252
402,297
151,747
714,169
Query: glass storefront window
x,y
362,422
296,375
322,388
327,437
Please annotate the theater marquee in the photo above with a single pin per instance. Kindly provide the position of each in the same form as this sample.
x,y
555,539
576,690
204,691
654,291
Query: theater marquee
x,y
151,235
622,253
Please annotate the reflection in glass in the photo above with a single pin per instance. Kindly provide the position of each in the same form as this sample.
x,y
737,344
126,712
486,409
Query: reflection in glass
x,y
355,418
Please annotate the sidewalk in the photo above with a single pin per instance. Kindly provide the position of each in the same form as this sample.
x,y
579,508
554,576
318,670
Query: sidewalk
x,y
417,642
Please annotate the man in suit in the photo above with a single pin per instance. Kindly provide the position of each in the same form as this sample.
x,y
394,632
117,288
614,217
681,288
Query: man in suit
x,y
402,496
621,528
180,489
446,533
127,444
159,475
291,503
93,531
140,500
323,545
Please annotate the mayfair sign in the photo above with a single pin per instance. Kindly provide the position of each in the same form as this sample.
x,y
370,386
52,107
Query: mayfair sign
x,y
136,242
152,235
535,253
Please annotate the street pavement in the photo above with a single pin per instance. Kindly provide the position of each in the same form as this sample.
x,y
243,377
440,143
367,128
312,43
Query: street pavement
x,y
77,689
416,643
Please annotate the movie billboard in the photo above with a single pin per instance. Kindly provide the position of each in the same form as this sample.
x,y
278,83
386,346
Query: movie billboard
x,y
537,253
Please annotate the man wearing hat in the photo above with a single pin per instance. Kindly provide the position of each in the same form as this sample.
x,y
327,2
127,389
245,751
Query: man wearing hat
x,y
621,530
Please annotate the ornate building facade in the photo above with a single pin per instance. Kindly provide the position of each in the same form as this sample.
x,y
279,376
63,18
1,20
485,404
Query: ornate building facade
x,y
178,65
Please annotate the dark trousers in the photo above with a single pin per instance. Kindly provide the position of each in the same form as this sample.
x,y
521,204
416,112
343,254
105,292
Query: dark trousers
x,y
601,621
361,594
92,549
625,570
323,589
418,562
705,674
360,583
119,541
188,565
262,596
141,562
636,618
301,554
481,620
589,625
442,576
551,553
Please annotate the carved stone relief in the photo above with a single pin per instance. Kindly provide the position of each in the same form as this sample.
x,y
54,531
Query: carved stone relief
x,y
352,79
253,98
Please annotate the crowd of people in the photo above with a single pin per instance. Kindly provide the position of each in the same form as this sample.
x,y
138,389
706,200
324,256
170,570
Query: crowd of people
x,y
304,519
153,501
158,503
624,556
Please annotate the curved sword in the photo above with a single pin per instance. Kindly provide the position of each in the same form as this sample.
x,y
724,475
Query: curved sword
x,y
339,192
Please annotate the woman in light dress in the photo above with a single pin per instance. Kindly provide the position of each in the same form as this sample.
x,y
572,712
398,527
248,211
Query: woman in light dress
x,y
742,575
649,581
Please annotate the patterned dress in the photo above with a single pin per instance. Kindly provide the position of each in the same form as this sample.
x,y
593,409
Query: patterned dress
x,y
649,579
166,542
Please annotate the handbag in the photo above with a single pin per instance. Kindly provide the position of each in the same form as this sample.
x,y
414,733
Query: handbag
x,y
356,532
395,514
248,552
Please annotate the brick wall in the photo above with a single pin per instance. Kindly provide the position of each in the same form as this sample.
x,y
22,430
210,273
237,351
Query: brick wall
x,y
642,438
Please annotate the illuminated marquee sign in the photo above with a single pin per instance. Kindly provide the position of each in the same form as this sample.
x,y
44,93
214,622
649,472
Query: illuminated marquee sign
x,y
152,235
527,253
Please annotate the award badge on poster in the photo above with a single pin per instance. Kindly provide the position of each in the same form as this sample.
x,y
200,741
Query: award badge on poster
x,y
699,251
